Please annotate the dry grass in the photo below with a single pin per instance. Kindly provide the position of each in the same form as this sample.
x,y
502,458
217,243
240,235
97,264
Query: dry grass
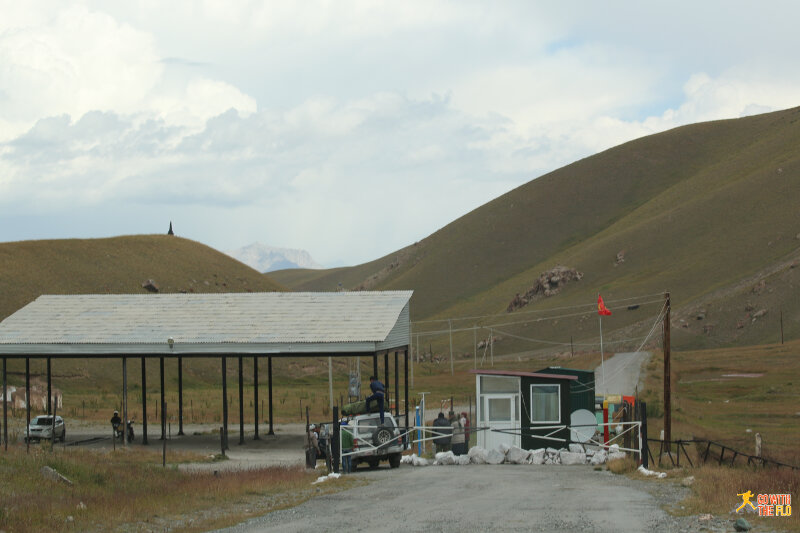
x,y
712,399
118,265
622,466
124,487
716,488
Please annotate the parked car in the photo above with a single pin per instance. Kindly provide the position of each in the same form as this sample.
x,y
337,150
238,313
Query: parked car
x,y
42,428
374,442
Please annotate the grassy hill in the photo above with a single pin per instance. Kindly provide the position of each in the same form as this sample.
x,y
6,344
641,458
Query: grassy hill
x,y
118,265
706,211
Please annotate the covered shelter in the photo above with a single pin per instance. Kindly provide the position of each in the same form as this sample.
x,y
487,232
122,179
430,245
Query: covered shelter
x,y
218,325
514,406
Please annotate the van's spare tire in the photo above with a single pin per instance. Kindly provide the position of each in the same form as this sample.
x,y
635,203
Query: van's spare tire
x,y
382,436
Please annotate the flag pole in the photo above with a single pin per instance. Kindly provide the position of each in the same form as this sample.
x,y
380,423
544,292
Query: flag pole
x,y
602,358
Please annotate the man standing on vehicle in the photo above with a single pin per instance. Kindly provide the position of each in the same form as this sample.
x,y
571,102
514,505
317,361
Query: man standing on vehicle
x,y
378,393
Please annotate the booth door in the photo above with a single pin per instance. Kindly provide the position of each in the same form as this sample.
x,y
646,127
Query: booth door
x,y
501,415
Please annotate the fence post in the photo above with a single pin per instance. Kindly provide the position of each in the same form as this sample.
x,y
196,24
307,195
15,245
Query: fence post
x,y
335,440
627,416
643,434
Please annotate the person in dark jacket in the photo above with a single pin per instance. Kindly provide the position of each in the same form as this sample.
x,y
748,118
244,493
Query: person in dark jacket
x,y
443,433
378,393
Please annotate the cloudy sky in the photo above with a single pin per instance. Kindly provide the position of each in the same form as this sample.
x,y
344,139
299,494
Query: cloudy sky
x,y
347,128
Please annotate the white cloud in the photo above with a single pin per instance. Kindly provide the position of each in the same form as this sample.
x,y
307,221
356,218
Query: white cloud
x,y
349,129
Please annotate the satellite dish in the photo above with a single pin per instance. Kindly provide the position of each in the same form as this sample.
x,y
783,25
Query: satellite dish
x,y
582,425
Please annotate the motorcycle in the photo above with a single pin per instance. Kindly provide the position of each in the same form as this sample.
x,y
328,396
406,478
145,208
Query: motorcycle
x,y
118,431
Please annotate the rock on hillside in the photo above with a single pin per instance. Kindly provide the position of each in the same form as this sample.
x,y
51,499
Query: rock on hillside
x,y
548,284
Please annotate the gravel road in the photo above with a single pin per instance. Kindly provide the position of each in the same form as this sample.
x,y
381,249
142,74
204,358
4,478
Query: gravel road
x,y
622,373
483,498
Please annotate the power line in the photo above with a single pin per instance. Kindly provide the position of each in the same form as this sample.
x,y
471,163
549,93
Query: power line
x,y
531,311
659,318
434,333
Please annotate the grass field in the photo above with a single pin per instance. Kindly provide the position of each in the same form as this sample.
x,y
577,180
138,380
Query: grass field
x,y
721,394
122,488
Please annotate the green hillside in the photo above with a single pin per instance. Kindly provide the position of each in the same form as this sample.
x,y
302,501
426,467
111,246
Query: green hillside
x,y
707,211
119,265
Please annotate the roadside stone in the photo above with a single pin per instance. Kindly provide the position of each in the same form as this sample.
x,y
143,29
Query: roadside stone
x,y
705,517
576,448
687,481
742,525
51,474
616,455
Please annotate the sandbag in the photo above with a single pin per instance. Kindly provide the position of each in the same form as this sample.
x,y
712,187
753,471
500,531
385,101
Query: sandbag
x,y
462,459
477,455
445,458
419,461
537,456
572,458
517,455
360,408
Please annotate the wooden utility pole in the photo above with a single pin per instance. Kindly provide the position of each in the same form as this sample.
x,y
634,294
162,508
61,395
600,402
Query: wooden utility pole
x,y
667,384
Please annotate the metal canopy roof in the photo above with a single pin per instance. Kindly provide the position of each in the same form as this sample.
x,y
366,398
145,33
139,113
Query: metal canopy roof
x,y
513,373
209,324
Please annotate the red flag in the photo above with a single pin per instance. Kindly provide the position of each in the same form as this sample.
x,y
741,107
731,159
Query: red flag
x,y
601,307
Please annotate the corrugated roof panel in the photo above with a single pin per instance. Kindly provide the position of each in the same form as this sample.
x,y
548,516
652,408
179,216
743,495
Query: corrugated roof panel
x,y
239,318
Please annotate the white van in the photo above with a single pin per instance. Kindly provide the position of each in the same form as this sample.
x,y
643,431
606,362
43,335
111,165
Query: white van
x,y
373,442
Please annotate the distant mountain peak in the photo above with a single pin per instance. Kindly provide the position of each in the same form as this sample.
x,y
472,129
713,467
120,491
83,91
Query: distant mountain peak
x,y
266,258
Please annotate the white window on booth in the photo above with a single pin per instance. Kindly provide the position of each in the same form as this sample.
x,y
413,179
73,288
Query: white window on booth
x,y
546,404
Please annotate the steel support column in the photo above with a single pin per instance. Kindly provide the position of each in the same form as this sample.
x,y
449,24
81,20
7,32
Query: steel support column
x,y
180,395
405,381
144,401
163,411
225,402
5,406
255,396
28,402
241,402
386,376
124,401
396,386
49,387
269,379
